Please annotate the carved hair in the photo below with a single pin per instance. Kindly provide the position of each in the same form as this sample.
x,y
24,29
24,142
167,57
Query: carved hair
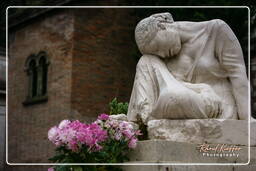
x,y
147,28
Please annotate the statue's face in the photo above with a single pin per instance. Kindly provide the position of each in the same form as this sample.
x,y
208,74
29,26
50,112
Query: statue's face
x,y
166,43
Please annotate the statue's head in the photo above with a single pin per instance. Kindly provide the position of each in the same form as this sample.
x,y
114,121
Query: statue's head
x,y
158,35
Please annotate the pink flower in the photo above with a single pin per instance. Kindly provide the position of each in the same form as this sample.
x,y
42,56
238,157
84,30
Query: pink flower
x,y
63,124
132,143
58,143
128,133
118,136
112,123
73,146
97,147
75,135
53,134
91,135
51,169
125,125
103,116
138,132
67,135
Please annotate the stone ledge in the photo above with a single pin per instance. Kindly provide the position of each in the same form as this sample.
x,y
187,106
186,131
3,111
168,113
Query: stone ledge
x,y
158,151
202,130
190,168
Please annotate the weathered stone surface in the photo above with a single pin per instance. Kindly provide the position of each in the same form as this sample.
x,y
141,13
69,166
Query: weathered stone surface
x,y
123,117
202,130
178,168
253,132
159,151
190,168
245,168
162,151
189,70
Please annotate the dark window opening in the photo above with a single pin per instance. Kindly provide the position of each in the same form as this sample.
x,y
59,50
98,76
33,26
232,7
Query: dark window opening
x,y
43,74
34,77
37,71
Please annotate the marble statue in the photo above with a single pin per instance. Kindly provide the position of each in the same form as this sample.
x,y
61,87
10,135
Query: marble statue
x,y
189,70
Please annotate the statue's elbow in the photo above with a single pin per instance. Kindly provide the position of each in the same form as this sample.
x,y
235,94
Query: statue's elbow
x,y
220,22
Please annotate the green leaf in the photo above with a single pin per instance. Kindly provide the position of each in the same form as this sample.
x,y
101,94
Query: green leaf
x,y
57,158
77,168
89,168
63,168
118,107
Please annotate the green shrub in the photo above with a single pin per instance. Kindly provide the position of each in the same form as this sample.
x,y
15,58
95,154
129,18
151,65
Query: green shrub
x,y
118,107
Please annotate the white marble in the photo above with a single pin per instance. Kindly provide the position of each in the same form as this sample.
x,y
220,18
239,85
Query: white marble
x,y
189,168
123,117
221,131
189,70
163,151
180,168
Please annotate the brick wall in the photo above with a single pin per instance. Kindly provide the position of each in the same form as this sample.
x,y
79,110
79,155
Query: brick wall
x,y
28,125
2,108
91,53
2,134
103,60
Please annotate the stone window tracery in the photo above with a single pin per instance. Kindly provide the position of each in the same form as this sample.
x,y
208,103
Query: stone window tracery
x,y
36,67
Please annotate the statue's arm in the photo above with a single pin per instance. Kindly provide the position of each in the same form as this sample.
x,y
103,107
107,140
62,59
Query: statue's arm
x,y
144,93
231,58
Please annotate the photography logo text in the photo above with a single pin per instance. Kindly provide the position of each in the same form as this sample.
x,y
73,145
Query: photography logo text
x,y
219,150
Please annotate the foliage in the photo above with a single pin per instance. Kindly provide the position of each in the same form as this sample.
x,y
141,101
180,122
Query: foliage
x,y
143,129
118,107
104,141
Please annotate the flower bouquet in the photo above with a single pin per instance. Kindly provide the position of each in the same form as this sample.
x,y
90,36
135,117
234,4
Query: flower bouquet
x,y
104,141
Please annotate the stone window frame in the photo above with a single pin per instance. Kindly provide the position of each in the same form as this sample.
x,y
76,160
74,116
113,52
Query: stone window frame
x,y
36,67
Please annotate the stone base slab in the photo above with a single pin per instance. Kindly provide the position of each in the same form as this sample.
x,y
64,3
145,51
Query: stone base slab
x,y
190,168
202,130
162,151
167,153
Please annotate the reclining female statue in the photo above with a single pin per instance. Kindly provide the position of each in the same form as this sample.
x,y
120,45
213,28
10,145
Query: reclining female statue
x,y
189,70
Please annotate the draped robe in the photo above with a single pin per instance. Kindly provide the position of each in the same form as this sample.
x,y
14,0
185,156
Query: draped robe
x,y
216,76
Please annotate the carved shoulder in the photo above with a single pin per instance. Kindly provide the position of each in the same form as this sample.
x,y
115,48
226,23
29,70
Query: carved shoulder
x,y
224,31
149,60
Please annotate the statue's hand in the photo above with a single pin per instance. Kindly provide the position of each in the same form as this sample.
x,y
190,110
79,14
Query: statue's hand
x,y
213,101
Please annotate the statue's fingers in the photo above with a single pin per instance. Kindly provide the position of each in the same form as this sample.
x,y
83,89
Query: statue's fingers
x,y
219,110
216,109
211,109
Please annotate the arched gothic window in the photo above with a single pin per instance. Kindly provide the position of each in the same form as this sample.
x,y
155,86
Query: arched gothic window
x,y
36,67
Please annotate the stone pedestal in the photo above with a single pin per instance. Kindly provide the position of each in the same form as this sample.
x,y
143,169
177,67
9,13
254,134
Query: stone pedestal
x,y
189,168
167,153
182,145
162,151
202,130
